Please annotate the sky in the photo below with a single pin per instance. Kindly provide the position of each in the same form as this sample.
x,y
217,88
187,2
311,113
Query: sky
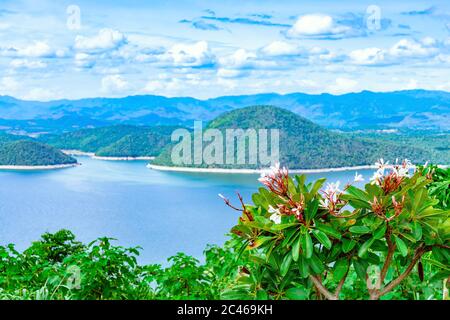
x,y
78,49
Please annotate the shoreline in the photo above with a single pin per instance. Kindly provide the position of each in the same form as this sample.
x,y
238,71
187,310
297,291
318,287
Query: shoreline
x,y
254,171
93,156
259,171
31,168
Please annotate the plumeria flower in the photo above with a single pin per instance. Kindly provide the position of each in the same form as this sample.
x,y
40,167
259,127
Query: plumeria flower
x,y
324,203
333,187
276,215
358,177
381,164
377,176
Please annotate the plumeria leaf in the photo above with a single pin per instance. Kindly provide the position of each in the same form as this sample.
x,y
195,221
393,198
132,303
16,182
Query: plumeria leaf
x,y
307,245
401,246
348,245
359,229
340,269
285,265
365,246
323,239
296,294
296,249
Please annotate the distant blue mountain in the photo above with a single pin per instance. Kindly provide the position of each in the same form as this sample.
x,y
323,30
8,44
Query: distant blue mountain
x,y
412,109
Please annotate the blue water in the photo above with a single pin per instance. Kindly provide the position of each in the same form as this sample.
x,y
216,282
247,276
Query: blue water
x,y
163,212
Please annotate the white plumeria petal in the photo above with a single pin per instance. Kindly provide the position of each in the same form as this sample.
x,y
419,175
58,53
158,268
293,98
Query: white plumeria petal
x,y
275,218
358,177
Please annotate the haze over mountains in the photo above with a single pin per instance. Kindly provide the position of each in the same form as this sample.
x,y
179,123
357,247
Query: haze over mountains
x,y
412,109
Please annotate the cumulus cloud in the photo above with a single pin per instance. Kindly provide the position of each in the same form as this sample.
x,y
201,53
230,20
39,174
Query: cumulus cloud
x,y
402,51
189,55
39,49
342,85
280,48
27,64
8,85
317,26
367,56
113,84
106,39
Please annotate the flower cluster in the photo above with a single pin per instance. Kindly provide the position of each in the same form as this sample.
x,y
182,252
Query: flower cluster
x,y
391,180
332,198
277,181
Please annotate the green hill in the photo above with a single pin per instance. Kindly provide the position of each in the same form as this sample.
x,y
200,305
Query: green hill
x,y
31,153
303,144
115,141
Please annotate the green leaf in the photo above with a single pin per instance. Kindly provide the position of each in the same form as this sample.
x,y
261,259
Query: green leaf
x,y
285,265
323,239
328,230
307,245
296,294
401,246
303,267
359,229
380,232
360,268
261,295
417,231
365,246
296,249
340,269
316,264
348,245
317,185
358,193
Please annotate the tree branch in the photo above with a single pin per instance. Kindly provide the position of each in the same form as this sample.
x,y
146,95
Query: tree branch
x,y
391,250
417,255
321,288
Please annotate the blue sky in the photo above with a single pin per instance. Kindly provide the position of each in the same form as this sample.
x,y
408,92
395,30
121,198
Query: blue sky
x,y
76,49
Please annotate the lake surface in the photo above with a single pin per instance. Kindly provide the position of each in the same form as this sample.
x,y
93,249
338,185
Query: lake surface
x,y
163,212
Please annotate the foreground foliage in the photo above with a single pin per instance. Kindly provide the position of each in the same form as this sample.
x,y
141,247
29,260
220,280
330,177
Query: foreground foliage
x,y
350,243
389,240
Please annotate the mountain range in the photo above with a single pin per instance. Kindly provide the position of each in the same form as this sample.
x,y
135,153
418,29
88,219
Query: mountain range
x,y
399,110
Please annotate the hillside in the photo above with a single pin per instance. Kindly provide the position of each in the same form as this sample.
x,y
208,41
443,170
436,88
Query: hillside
x,y
31,153
411,109
115,141
305,145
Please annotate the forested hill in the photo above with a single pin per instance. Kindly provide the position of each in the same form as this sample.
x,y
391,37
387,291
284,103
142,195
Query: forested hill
x,y
115,141
305,145
31,153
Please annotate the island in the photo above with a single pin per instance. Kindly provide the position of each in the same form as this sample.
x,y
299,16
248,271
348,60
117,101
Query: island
x,y
32,155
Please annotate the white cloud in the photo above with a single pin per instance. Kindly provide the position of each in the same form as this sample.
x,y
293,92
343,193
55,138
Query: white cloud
x,y
241,58
28,64
84,60
402,51
189,55
368,56
317,25
8,85
230,73
39,49
113,84
106,39
280,48
411,48
342,85
40,94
